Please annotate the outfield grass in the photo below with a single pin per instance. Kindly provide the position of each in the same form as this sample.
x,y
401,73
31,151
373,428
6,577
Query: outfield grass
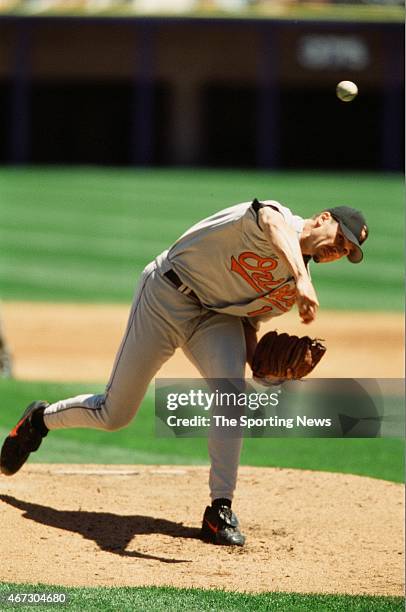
x,y
85,234
168,599
378,458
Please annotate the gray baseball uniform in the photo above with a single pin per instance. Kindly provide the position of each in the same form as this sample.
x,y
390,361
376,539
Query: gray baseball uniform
x,y
194,296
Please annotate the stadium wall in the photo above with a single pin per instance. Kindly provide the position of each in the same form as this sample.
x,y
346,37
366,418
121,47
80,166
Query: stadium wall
x,y
224,92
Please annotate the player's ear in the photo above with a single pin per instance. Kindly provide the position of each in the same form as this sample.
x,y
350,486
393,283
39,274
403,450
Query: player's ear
x,y
323,217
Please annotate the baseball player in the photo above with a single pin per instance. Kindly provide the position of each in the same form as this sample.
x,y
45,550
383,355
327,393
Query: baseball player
x,y
207,294
5,356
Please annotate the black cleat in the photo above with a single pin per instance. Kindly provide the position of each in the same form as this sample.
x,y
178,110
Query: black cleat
x,y
220,526
24,439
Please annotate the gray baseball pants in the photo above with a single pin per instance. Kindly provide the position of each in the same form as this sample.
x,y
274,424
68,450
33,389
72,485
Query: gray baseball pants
x,y
161,320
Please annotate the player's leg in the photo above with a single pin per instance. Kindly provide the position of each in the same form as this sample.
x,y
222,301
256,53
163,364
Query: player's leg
x,y
148,342
159,321
218,350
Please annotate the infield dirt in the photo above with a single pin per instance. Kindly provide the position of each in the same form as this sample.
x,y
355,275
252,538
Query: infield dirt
x,y
138,525
72,342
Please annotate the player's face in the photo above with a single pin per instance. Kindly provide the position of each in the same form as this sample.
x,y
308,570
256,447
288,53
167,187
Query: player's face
x,y
330,244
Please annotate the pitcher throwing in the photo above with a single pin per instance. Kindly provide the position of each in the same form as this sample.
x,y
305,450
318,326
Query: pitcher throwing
x,y
207,294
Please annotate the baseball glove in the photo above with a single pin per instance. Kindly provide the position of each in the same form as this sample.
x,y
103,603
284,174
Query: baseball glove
x,y
279,357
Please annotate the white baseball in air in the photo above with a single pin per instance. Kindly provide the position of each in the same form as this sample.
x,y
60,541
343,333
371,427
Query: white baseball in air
x,y
346,91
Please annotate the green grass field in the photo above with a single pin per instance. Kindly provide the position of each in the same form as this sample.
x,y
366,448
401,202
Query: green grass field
x,y
377,457
84,235
167,599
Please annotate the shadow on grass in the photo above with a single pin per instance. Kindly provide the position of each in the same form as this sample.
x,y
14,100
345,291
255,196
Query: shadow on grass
x,y
111,532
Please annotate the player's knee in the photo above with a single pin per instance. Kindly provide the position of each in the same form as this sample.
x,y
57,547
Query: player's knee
x,y
116,412
114,422
112,426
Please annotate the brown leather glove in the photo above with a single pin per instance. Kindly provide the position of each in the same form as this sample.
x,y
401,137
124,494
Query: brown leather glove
x,y
279,357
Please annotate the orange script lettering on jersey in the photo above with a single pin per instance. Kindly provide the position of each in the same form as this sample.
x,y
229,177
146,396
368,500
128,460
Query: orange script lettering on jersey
x,y
256,271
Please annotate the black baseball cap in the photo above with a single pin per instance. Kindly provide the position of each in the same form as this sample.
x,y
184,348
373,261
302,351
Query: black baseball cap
x,y
354,227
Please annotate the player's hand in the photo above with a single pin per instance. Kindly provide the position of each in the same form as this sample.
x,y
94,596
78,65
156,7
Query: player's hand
x,y
306,299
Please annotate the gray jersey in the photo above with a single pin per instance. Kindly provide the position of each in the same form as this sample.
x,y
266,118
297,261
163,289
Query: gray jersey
x,y
231,266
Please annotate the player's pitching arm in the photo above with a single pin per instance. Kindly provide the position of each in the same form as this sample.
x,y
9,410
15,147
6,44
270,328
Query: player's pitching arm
x,y
284,241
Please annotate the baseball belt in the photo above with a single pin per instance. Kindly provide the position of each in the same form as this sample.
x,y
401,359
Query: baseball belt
x,y
175,280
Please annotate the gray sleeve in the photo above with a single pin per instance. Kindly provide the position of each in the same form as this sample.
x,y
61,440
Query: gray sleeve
x,y
257,205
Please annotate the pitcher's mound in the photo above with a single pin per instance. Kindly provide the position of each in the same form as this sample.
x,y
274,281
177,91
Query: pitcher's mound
x,y
94,525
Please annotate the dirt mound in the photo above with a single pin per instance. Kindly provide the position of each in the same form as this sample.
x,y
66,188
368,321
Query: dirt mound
x,y
138,525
